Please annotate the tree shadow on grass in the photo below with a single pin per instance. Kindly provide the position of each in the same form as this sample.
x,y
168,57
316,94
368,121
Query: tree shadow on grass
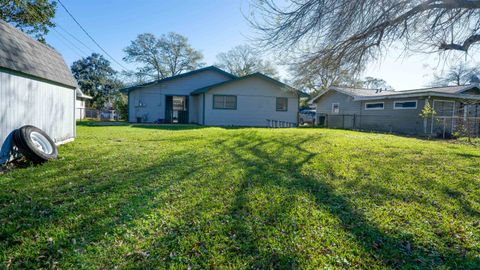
x,y
169,127
82,211
395,250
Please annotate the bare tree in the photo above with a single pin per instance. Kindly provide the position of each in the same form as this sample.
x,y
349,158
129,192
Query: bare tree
x,y
457,74
162,57
317,76
375,83
355,32
243,60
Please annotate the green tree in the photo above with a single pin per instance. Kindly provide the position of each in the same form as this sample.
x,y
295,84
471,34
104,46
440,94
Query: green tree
x,y
98,79
169,55
244,60
34,17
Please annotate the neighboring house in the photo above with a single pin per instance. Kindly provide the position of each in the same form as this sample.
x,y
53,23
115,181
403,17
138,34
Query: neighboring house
x,y
36,88
399,111
80,104
211,96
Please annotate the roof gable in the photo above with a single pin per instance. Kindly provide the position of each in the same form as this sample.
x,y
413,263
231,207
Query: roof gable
x,y
254,75
21,54
183,75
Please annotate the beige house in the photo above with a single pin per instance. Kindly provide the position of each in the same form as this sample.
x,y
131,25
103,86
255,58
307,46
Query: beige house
x,y
211,96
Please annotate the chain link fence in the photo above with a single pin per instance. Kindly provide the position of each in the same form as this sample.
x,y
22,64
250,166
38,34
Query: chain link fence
x,y
438,126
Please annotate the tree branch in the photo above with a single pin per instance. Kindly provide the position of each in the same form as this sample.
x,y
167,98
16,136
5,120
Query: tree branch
x,y
461,47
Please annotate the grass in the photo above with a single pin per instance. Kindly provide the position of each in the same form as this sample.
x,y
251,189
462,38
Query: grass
x,y
192,197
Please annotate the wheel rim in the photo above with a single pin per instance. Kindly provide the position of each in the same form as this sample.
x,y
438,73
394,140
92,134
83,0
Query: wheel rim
x,y
41,142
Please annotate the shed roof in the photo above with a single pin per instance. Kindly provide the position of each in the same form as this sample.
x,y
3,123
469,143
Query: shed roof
x,y
20,53
372,94
81,95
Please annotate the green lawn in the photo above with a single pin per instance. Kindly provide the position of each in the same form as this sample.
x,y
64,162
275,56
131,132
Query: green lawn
x,y
186,196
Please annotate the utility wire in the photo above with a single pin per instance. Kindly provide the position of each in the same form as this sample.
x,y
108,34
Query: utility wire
x,y
74,37
91,38
63,39
42,17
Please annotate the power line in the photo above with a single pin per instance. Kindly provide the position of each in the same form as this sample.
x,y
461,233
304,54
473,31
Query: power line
x,y
74,37
65,40
91,38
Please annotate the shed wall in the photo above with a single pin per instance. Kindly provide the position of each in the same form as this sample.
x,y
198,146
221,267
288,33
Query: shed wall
x,y
25,101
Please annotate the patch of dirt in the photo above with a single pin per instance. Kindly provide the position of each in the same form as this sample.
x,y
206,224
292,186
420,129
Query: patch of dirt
x,y
18,163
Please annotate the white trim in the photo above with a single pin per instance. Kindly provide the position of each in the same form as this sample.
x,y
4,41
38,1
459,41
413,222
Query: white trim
x,y
403,101
336,103
64,141
313,100
374,109
417,95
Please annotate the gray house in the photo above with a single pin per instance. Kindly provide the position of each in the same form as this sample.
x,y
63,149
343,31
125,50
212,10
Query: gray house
x,y
211,96
399,111
36,88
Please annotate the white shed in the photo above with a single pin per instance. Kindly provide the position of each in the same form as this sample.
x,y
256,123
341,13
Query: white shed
x,y
36,88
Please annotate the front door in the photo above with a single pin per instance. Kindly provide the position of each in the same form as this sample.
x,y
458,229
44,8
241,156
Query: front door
x,y
176,109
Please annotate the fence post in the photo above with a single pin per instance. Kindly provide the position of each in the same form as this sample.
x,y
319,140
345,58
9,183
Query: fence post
x,y
444,126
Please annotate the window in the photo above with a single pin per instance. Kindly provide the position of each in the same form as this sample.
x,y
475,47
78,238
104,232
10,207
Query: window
x,y
282,104
406,104
335,108
223,102
374,106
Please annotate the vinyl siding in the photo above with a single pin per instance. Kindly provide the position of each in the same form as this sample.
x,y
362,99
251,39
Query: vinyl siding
x,y
347,105
256,102
154,96
79,109
354,115
25,101
407,121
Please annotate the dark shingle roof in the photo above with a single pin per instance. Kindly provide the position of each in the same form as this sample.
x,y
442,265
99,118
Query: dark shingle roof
x,y
257,74
371,94
211,68
20,53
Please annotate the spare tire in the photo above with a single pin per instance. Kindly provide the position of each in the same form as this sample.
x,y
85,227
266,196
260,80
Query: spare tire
x,y
35,144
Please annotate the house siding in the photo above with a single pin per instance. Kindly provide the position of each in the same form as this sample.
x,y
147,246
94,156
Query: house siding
x,y
25,101
256,102
153,97
407,121
352,114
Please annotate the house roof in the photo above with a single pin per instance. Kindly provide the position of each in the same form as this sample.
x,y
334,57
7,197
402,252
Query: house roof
x,y
211,68
21,54
373,94
257,74
80,94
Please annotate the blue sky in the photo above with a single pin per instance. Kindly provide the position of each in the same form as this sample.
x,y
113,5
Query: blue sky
x,y
212,26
